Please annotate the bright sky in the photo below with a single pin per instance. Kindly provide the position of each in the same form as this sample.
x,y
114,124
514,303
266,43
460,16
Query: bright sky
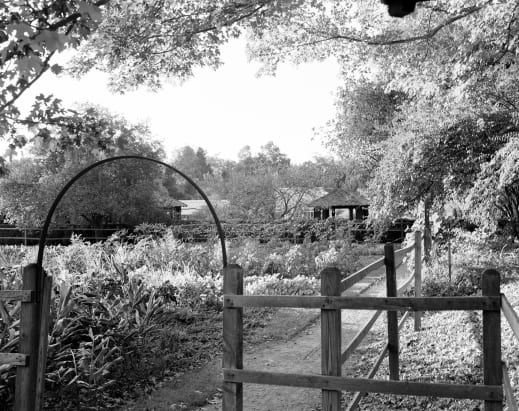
x,y
223,110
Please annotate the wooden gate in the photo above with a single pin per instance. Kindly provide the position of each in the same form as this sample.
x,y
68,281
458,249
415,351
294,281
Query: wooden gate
x,y
331,303
34,324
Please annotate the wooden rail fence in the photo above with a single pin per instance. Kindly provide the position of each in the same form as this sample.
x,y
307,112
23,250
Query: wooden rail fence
x,y
332,357
34,323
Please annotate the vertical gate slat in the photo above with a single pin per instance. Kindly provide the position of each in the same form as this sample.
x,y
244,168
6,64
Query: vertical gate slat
x,y
331,337
492,368
29,335
392,316
43,337
232,338
417,276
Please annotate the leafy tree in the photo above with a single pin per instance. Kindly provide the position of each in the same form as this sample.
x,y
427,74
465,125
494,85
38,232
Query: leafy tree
x,y
127,192
195,165
363,121
495,194
439,166
138,43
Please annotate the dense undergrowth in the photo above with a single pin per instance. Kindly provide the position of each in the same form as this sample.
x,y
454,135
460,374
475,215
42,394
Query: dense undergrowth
x,y
129,311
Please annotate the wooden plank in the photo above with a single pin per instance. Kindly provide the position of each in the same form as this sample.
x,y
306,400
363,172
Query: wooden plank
x,y
365,303
406,284
404,250
392,319
359,275
418,277
354,343
14,359
44,340
477,392
232,339
509,391
25,296
331,338
358,395
25,394
510,315
492,367
403,319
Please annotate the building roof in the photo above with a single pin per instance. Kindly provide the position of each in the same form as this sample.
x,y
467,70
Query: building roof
x,y
196,206
339,198
171,202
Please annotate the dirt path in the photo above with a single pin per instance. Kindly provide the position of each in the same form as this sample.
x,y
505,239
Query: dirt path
x,y
300,354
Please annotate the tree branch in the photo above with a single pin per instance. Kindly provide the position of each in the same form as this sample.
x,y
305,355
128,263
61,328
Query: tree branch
x,y
373,42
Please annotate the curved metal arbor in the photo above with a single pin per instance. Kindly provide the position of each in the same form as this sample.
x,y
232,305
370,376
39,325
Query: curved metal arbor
x,y
50,214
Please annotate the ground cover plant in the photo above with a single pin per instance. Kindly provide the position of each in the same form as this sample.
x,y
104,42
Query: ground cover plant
x,y
133,310
448,348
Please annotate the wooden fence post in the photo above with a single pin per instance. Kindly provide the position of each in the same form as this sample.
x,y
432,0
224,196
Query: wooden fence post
x,y
331,337
492,370
417,276
427,239
29,336
392,319
43,341
232,338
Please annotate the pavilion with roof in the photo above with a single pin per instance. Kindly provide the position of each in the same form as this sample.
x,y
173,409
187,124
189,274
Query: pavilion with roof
x,y
337,201
173,208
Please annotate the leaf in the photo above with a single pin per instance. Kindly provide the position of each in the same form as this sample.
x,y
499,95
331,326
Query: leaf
x,y
91,10
56,69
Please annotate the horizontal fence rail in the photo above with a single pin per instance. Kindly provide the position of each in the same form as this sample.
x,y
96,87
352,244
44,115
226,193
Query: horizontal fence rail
x,y
365,303
465,391
509,391
25,296
333,299
362,273
510,315
373,371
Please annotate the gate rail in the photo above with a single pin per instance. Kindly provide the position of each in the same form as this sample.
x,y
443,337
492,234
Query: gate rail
x,y
331,302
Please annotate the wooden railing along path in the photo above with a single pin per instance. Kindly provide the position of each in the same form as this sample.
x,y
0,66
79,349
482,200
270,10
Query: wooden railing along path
x,y
34,324
332,357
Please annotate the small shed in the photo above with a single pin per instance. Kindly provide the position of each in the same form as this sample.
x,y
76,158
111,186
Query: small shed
x,y
173,208
337,201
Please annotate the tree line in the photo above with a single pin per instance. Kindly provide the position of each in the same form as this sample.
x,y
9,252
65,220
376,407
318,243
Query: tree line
x,y
259,187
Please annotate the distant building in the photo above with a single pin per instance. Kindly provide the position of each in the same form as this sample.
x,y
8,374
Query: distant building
x,y
198,210
338,203
297,201
173,208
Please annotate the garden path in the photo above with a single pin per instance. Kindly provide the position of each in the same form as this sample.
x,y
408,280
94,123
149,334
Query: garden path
x,y
300,354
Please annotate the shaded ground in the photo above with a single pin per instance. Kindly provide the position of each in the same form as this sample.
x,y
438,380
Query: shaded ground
x,y
294,347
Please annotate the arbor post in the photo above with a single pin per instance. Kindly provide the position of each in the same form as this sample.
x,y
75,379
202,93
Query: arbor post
x,y
492,370
392,319
232,338
417,276
331,337
26,377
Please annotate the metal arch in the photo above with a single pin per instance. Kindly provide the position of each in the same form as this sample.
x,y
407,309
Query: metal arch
x,y
45,229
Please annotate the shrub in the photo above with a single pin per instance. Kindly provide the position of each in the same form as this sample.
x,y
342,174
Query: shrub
x,y
472,253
